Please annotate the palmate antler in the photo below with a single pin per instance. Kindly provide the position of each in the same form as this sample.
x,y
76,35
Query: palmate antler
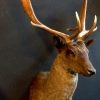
x,y
80,32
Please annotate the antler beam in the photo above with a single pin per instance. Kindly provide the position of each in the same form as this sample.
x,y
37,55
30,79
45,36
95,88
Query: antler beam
x,y
80,31
35,22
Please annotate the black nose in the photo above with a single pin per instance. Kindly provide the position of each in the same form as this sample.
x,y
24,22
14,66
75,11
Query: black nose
x,y
91,72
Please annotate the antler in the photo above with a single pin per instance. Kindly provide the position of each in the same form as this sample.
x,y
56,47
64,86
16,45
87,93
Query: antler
x,y
35,22
80,30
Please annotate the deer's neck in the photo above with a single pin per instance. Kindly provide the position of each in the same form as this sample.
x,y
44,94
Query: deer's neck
x,y
61,83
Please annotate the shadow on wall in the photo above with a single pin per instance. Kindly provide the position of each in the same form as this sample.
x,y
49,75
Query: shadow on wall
x,y
96,6
3,96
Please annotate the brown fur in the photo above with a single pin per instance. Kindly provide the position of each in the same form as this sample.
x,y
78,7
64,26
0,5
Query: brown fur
x,y
60,83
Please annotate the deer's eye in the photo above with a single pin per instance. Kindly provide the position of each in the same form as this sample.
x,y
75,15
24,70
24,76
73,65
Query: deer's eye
x,y
70,53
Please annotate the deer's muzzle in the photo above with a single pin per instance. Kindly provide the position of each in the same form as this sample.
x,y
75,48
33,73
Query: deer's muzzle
x,y
91,72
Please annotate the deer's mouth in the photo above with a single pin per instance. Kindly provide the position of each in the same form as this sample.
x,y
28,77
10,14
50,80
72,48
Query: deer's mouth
x,y
89,73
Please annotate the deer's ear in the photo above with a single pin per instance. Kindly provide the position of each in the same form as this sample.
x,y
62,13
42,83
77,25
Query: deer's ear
x,y
59,43
89,43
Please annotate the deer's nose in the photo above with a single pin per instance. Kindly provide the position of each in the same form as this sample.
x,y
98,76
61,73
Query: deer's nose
x,y
91,72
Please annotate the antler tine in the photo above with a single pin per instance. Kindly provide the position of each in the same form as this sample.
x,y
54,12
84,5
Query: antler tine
x,y
83,14
35,22
80,20
77,29
92,29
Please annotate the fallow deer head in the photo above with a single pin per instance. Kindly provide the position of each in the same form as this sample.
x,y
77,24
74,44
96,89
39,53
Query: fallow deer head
x,y
72,47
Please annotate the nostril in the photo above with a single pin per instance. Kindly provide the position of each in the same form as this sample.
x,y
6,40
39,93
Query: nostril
x,y
91,72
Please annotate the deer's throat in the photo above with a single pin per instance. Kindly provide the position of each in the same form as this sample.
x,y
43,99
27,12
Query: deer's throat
x,y
60,81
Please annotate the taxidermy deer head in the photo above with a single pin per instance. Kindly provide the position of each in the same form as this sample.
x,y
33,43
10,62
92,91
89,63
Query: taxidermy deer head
x,y
72,54
73,46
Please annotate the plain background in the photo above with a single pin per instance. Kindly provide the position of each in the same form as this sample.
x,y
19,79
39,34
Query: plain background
x,y
25,50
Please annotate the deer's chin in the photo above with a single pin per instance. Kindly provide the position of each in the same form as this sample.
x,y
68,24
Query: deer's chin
x,y
86,75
